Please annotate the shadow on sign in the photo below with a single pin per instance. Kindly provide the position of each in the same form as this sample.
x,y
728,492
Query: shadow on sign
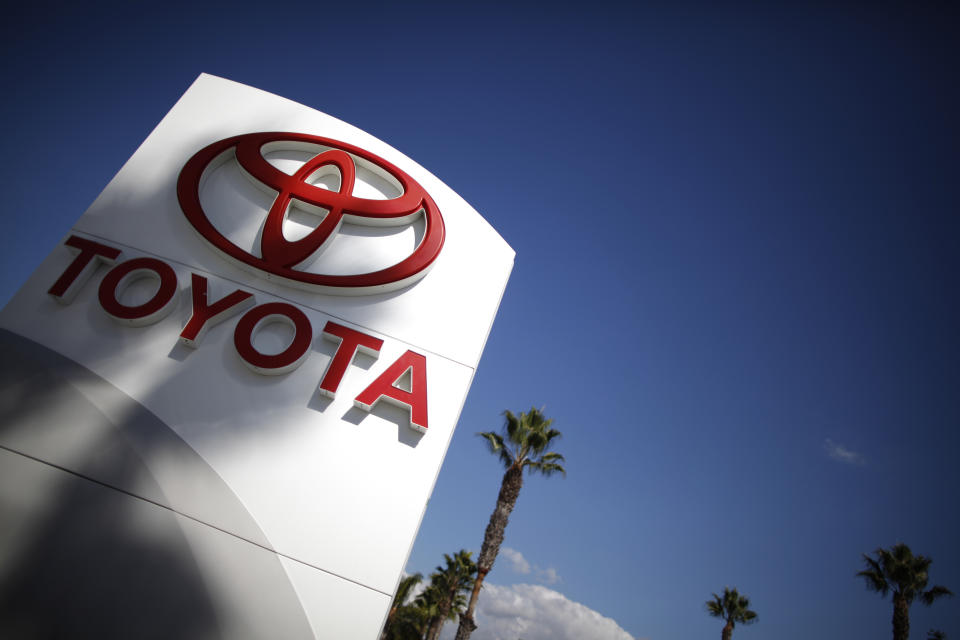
x,y
390,413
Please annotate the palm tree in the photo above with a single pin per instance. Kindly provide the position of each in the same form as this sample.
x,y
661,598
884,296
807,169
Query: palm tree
x,y
449,583
404,589
522,444
733,608
427,606
906,575
411,621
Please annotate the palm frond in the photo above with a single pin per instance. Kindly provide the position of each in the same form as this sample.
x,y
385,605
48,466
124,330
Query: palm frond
x,y
511,426
497,446
875,582
405,588
494,440
874,575
536,440
935,593
715,606
545,468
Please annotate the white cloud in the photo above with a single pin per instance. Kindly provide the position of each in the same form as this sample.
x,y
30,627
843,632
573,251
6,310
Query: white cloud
x,y
417,589
840,453
534,612
548,575
518,563
521,565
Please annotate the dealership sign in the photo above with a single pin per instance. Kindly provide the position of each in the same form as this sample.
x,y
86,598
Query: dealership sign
x,y
245,362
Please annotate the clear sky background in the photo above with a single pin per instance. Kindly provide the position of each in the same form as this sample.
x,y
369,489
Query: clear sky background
x,y
736,286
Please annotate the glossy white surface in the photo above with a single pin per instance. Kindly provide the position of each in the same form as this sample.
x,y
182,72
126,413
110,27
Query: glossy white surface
x,y
449,312
337,492
229,587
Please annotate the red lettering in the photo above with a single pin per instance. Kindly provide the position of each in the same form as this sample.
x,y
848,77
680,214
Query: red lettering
x,y
350,342
385,388
205,316
126,273
291,357
90,255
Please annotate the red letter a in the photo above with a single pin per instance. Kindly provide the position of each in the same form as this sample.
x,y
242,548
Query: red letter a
x,y
385,387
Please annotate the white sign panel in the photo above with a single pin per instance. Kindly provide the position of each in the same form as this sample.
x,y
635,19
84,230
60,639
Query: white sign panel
x,y
226,396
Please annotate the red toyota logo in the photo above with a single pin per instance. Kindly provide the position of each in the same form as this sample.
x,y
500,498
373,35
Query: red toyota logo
x,y
279,256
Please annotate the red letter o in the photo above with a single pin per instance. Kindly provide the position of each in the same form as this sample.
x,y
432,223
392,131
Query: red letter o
x,y
122,275
291,357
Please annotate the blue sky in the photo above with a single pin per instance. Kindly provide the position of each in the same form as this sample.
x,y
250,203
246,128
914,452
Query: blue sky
x,y
736,280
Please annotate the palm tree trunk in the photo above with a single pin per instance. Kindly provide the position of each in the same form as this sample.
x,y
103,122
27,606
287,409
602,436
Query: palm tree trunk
x,y
386,625
433,632
727,630
492,539
467,625
901,617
